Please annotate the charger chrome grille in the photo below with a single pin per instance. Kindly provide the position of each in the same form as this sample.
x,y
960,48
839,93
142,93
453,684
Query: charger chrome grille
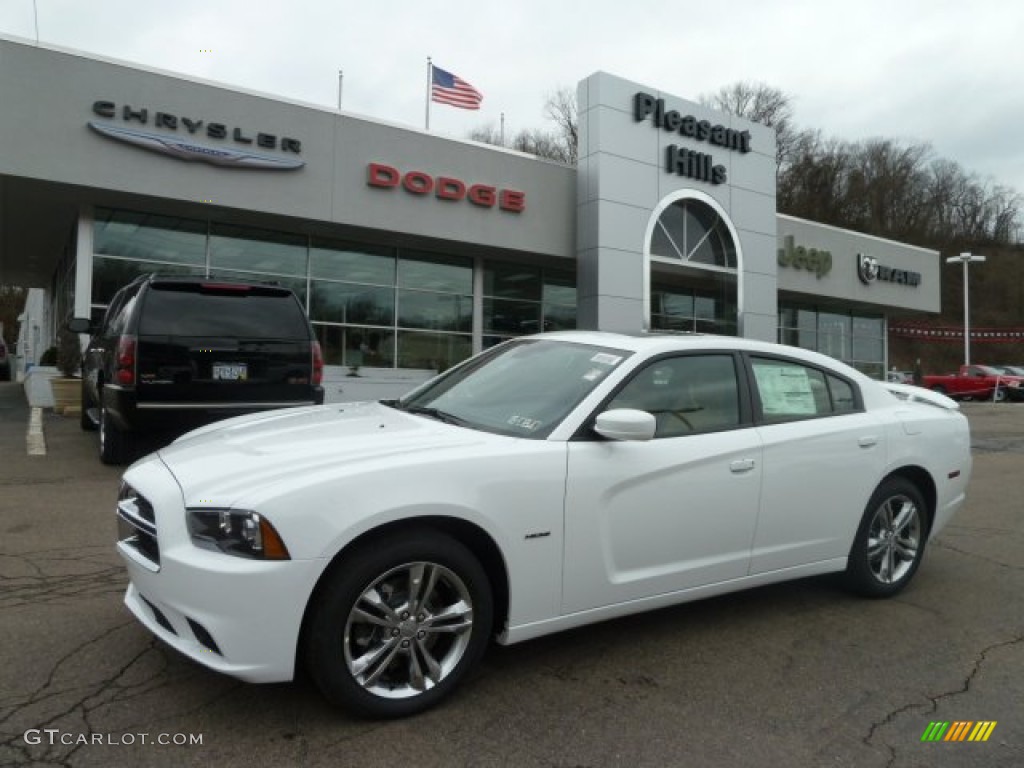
x,y
136,524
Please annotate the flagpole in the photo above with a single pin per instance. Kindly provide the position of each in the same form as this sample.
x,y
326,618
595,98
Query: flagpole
x,y
341,77
503,129
430,78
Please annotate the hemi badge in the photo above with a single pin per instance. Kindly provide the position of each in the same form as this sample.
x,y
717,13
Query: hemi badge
x,y
539,535
954,473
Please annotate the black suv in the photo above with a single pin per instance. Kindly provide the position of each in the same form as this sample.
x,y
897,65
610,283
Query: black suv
x,y
180,352
5,361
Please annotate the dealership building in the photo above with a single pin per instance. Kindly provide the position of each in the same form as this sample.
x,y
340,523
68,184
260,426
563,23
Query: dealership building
x,y
411,251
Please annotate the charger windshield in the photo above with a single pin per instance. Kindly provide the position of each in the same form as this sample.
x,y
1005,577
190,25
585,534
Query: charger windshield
x,y
523,388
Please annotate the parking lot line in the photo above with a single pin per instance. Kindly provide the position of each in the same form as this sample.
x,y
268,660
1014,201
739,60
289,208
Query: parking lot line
x,y
35,440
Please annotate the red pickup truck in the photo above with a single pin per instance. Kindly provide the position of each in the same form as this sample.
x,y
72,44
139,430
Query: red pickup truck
x,y
977,382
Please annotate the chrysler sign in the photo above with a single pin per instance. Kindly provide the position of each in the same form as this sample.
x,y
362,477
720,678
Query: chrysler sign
x,y
177,138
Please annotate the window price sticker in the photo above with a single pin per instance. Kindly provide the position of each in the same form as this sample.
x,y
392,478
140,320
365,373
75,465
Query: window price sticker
x,y
523,423
785,390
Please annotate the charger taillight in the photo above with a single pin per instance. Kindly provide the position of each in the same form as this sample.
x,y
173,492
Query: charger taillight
x,y
125,371
318,364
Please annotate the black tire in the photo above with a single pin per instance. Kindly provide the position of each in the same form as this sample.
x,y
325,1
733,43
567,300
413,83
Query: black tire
x,y
115,443
887,550
939,388
85,419
409,634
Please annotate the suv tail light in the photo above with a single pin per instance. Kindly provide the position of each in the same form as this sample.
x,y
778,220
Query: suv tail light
x,y
125,371
318,364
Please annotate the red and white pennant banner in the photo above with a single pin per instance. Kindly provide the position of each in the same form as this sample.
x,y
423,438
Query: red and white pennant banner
x,y
952,333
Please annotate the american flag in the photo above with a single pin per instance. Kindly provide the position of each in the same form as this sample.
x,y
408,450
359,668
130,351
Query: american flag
x,y
446,88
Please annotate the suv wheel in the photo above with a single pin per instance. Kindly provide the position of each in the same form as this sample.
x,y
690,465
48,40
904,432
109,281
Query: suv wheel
x,y
88,406
114,442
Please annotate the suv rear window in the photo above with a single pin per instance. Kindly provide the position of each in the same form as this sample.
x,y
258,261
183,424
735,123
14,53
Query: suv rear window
x,y
213,309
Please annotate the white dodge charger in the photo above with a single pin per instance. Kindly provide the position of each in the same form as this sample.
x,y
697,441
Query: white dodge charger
x,y
550,482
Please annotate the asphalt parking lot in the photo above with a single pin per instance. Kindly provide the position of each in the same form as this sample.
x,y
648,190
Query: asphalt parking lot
x,y
799,674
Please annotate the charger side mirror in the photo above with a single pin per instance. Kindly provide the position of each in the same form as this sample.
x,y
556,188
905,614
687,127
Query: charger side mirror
x,y
625,424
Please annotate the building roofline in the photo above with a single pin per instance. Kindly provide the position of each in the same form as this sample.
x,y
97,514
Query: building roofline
x,y
885,240
195,80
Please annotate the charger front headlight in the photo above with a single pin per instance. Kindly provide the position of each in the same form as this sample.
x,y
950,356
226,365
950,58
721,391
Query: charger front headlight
x,y
238,532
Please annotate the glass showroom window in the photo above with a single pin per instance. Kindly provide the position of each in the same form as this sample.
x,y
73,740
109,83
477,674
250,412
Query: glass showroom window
x,y
434,309
246,253
835,336
149,237
798,327
708,306
352,302
523,299
370,305
869,345
857,340
512,301
559,300
127,244
109,275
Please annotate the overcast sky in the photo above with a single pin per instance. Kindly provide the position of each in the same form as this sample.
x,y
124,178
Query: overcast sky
x,y
945,72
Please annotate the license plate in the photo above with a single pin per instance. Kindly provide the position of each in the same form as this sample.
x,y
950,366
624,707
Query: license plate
x,y
230,371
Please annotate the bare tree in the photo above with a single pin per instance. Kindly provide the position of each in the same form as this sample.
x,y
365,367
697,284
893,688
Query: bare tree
x,y
487,134
814,183
760,103
561,144
1006,223
561,108
542,144
889,183
895,190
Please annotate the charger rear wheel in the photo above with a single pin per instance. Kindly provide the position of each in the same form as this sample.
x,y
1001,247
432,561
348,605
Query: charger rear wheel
x,y
890,541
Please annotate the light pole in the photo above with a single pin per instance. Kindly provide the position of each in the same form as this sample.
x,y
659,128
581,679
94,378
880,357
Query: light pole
x,y
965,259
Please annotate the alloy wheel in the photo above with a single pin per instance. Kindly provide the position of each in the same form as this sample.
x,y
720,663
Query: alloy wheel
x,y
408,630
894,539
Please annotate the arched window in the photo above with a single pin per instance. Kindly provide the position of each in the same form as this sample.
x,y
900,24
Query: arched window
x,y
693,267
692,231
